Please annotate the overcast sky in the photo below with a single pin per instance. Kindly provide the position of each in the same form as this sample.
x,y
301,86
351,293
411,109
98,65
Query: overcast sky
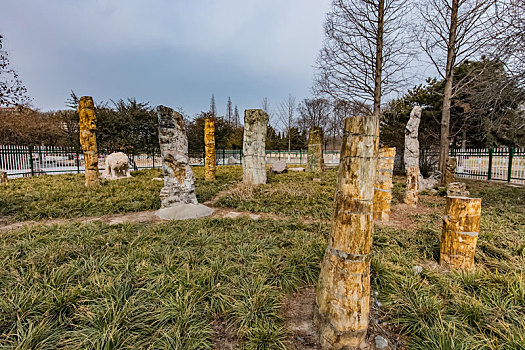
x,y
172,52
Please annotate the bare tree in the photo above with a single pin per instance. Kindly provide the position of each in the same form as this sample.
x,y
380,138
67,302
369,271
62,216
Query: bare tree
x,y
236,117
229,110
511,48
313,112
451,32
213,108
286,114
12,90
364,51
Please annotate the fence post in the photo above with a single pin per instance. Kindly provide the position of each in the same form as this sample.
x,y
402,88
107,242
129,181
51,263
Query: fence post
x,y
489,173
511,159
78,162
223,156
31,160
153,157
300,156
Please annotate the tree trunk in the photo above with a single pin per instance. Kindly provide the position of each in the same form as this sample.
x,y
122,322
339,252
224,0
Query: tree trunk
x,y
383,185
460,232
447,95
343,293
209,144
379,58
88,139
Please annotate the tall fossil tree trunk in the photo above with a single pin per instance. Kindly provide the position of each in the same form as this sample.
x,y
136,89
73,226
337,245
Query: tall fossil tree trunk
x,y
179,183
209,144
254,146
3,178
88,139
383,186
411,157
460,232
315,150
343,293
450,172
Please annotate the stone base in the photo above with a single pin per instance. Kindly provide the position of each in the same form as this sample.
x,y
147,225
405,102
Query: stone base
x,y
184,211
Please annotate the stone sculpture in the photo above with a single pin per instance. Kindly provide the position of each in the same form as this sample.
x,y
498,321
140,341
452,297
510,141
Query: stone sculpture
x,y
315,150
343,292
460,232
254,147
209,145
279,167
411,157
383,185
116,166
88,139
178,199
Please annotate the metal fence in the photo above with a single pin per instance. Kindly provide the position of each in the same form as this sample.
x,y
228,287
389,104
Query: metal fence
x,y
505,164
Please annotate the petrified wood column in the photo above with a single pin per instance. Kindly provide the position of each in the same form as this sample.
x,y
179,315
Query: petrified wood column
x,y
179,183
3,178
254,146
412,186
209,144
88,139
315,150
383,187
411,157
460,232
450,171
343,292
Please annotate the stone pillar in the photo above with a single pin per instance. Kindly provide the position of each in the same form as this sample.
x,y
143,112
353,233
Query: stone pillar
x,y
179,183
411,157
315,150
88,139
209,144
383,186
450,172
460,232
343,292
254,147
412,186
3,178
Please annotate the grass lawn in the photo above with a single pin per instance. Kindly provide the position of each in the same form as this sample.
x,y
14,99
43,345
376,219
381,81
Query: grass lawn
x,y
65,196
188,285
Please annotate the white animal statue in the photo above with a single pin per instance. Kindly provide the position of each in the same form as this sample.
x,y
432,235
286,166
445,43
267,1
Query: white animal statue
x,y
117,166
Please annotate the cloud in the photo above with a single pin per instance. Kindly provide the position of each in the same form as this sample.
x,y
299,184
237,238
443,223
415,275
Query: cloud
x,y
181,51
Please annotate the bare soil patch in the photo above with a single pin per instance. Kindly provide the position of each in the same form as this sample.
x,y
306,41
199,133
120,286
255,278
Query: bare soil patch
x,y
298,313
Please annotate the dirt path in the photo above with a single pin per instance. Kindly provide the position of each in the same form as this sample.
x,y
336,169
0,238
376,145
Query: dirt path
x,y
401,217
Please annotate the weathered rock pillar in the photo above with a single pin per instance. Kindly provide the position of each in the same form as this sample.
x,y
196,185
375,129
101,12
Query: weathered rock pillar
x,y
383,186
315,150
88,139
411,157
450,172
3,178
209,144
460,232
412,186
254,147
179,183
343,292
